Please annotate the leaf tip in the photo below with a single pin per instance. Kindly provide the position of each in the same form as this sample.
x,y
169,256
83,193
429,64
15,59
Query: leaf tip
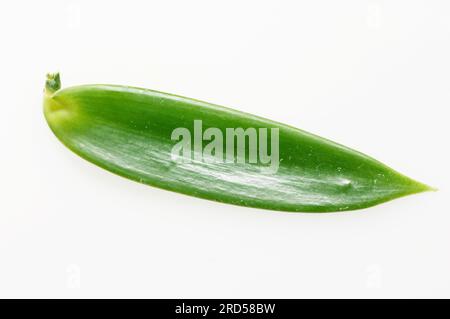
x,y
419,187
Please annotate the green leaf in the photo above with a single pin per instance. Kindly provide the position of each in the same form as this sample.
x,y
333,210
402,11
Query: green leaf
x,y
128,131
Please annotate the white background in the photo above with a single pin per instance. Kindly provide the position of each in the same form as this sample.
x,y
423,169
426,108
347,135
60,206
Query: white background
x,y
373,75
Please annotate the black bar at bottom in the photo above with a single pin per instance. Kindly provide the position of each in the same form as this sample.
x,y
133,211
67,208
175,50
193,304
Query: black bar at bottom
x,y
226,308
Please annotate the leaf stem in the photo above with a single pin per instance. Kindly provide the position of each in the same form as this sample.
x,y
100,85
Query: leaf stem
x,y
53,83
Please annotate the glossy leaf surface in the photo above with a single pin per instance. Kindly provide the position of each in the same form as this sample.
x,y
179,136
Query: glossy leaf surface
x,y
128,131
